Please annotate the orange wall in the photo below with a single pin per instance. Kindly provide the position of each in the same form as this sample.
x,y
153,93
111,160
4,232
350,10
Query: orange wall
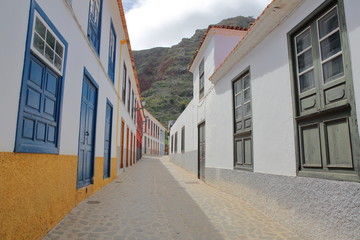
x,y
38,190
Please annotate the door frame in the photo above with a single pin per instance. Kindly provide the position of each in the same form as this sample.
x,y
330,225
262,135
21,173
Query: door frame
x,y
198,144
108,104
87,76
122,143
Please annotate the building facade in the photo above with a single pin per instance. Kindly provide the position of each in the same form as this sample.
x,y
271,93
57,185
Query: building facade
x,y
153,135
276,123
68,124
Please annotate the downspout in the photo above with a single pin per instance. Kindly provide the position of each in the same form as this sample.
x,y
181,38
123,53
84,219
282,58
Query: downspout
x,y
118,150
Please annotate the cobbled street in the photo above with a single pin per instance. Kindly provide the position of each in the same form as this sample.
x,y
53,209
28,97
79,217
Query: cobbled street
x,y
157,200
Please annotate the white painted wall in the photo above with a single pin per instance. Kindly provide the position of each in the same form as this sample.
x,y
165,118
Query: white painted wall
x,y
225,43
11,67
157,140
72,23
272,100
188,118
353,29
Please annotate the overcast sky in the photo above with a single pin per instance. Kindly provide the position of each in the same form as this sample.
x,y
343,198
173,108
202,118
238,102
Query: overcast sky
x,y
163,23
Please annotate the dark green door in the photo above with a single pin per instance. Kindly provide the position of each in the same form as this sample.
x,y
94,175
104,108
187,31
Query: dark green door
x,y
201,153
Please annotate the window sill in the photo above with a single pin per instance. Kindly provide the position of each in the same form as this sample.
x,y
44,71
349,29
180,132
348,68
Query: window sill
x,y
244,168
22,148
243,134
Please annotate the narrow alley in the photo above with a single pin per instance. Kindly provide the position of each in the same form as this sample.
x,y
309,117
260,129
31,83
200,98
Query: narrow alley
x,y
159,200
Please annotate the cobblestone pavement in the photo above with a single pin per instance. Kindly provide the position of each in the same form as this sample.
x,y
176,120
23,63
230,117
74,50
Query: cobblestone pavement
x,y
155,199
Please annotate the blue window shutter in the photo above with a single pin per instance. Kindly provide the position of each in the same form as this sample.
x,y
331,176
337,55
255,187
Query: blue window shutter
x,y
40,99
112,53
94,25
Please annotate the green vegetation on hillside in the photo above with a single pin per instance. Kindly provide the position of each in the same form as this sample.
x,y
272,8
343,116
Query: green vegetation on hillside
x,y
165,82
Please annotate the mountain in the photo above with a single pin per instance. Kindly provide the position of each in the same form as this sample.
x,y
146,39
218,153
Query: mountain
x,y
165,82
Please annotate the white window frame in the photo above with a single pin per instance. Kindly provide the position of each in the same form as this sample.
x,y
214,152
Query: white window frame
x,y
42,55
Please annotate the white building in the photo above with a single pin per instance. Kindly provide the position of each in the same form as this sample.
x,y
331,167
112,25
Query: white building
x,y
277,122
153,135
69,89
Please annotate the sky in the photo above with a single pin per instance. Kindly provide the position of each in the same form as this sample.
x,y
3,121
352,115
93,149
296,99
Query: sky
x,y
163,23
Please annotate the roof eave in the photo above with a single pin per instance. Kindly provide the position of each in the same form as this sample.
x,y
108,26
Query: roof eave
x,y
273,15
123,21
205,41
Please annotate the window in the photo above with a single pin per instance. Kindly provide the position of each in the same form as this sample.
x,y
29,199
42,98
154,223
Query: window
x,y
112,52
94,25
46,45
69,2
172,143
183,139
242,122
41,89
124,84
145,141
175,145
323,88
129,95
133,105
201,79
148,126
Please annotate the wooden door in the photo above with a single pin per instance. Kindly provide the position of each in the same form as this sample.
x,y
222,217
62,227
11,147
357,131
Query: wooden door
x,y
107,140
87,134
201,151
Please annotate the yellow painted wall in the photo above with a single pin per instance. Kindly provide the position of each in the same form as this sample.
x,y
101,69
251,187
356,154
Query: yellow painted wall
x,y
38,190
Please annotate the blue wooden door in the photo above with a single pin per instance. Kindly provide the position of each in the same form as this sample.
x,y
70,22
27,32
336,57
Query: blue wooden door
x,y
107,140
87,134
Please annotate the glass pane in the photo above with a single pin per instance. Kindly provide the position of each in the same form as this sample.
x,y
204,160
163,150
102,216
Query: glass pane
x,y
237,86
305,60
306,81
201,81
333,69
38,43
92,6
330,46
50,39
59,49
247,109
238,113
40,28
247,95
58,62
246,81
238,100
49,54
201,67
303,41
328,23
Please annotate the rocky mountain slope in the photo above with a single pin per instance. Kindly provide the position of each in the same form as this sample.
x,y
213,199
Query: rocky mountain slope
x,y
165,83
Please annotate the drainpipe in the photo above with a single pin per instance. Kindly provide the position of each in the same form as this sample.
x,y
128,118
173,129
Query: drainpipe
x,y
118,150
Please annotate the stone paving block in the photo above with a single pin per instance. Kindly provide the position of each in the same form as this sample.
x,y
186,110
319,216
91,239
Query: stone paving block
x,y
156,199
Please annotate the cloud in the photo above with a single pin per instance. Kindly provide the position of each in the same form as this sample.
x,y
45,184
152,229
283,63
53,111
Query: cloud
x,y
163,23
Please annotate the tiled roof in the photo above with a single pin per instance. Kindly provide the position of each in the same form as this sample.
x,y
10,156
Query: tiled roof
x,y
205,35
